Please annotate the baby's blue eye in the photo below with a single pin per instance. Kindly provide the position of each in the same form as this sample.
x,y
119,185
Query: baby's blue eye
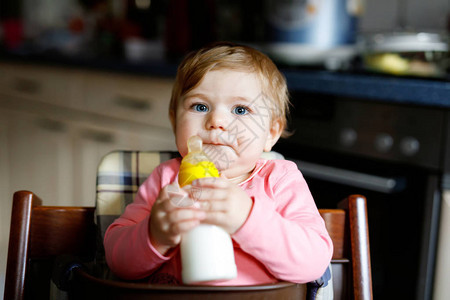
x,y
200,107
240,110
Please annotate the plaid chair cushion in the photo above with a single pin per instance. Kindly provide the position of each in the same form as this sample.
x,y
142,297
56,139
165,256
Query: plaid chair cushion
x,y
119,175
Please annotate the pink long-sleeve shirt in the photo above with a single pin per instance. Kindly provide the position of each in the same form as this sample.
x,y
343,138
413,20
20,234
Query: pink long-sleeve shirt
x,y
283,238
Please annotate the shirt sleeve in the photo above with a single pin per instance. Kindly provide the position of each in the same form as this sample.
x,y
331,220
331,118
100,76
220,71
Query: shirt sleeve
x,y
286,232
128,250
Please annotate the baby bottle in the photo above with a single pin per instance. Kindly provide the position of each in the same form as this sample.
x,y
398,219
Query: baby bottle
x,y
206,251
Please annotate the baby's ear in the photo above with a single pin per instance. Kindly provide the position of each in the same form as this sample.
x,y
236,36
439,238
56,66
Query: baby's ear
x,y
273,135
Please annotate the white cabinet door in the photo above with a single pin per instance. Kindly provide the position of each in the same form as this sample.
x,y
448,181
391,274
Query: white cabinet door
x,y
40,156
90,144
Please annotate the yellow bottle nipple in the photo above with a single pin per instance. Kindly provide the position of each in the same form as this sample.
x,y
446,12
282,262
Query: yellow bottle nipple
x,y
195,164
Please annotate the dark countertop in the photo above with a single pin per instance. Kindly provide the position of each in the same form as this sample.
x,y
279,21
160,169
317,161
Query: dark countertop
x,y
367,86
416,91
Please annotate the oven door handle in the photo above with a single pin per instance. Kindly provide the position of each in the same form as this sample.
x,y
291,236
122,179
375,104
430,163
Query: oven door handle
x,y
351,178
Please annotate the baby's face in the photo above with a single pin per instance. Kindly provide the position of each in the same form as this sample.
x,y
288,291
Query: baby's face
x,y
232,116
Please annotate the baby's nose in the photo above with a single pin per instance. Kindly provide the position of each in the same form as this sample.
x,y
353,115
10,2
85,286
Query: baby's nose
x,y
217,120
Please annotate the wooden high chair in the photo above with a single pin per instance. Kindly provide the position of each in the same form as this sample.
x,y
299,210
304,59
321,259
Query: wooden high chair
x,y
39,234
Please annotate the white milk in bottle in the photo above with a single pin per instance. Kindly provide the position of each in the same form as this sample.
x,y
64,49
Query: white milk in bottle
x,y
207,250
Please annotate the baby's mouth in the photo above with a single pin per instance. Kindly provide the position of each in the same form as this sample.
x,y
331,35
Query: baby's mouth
x,y
218,142
217,150
216,145
222,155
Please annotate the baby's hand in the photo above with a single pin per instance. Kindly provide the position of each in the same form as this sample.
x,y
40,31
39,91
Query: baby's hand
x,y
225,203
169,220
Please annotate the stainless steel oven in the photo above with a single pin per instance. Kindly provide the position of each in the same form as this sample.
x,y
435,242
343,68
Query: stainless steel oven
x,y
394,155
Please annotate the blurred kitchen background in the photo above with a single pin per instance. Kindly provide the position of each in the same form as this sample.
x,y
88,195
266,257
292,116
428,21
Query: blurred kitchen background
x,y
370,88
146,30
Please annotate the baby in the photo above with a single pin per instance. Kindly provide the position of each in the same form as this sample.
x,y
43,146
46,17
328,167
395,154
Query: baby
x,y
235,99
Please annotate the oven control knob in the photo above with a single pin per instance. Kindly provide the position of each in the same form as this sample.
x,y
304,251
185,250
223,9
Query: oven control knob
x,y
383,142
348,137
409,145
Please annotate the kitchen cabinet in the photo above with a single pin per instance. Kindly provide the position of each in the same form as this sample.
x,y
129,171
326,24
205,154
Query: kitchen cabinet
x,y
130,97
56,124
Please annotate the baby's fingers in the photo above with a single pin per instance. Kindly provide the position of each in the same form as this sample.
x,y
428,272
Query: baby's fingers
x,y
212,206
217,218
216,182
183,220
180,215
185,226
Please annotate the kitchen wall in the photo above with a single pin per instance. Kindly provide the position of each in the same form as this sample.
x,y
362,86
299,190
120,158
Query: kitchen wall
x,y
387,15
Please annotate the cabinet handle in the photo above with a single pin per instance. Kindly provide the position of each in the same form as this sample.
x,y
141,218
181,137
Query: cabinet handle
x,y
51,125
132,103
98,136
28,86
371,182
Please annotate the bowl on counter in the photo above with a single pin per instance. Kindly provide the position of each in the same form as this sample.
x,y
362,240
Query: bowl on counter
x,y
406,54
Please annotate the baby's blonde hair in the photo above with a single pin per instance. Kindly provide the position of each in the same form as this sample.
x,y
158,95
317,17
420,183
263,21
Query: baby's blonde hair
x,y
224,55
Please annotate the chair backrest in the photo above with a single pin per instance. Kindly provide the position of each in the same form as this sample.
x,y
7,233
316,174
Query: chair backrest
x,y
351,267
40,233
